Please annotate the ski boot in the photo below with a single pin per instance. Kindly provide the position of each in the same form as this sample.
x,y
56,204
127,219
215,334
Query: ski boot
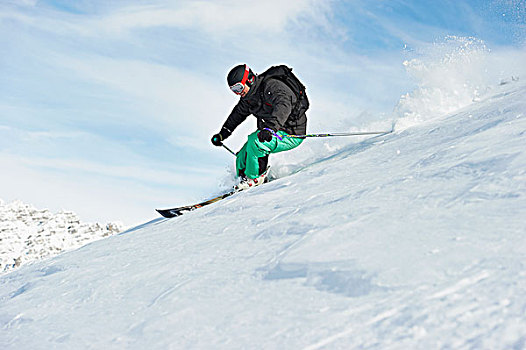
x,y
247,183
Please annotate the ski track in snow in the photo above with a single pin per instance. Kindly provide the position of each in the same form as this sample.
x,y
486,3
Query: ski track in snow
x,y
411,240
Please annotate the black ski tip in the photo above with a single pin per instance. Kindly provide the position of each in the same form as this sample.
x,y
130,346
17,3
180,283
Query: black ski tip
x,y
169,213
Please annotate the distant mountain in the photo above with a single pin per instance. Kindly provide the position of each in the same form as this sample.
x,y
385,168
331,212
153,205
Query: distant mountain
x,y
28,234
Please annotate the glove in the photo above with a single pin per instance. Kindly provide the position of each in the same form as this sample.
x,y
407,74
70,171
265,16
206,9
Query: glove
x,y
265,135
217,139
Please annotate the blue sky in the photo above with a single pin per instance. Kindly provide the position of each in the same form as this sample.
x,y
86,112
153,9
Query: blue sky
x,y
107,107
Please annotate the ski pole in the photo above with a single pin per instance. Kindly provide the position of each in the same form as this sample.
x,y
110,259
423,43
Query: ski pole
x,y
339,134
325,135
228,149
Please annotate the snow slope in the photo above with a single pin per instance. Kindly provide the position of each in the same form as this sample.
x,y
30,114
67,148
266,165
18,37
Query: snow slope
x,y
412,240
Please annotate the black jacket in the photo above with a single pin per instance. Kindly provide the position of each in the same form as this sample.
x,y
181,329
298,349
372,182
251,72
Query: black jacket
x,y
271,102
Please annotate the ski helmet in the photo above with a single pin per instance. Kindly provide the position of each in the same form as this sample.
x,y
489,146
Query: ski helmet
x,y
239,77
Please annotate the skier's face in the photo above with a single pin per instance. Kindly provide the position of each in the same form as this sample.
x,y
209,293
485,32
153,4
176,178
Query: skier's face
x,y
245,91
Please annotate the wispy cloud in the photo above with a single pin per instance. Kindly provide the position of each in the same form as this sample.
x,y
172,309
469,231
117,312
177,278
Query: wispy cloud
x,y
168,91
144,174
215,18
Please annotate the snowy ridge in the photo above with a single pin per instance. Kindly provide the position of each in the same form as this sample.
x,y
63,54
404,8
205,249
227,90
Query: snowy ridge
x,y
413,240
28,234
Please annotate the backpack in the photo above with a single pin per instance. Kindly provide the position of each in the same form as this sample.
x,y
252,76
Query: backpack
x,y
284,74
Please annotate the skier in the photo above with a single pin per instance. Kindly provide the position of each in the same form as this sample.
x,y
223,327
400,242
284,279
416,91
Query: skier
x,y
278,100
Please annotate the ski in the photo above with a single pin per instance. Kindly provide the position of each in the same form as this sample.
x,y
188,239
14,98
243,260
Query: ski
x,y
173,212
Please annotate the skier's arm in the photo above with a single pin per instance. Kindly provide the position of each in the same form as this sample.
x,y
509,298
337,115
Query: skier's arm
x,y
239,113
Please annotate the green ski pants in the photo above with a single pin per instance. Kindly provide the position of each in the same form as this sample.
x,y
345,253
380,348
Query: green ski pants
x,y
247,157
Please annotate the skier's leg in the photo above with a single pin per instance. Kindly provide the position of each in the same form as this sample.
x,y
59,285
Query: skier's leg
x,y
255,150
253,157
263,163
241,160
286,143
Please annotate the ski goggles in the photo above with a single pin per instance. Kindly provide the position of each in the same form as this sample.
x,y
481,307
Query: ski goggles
x,y
238,88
